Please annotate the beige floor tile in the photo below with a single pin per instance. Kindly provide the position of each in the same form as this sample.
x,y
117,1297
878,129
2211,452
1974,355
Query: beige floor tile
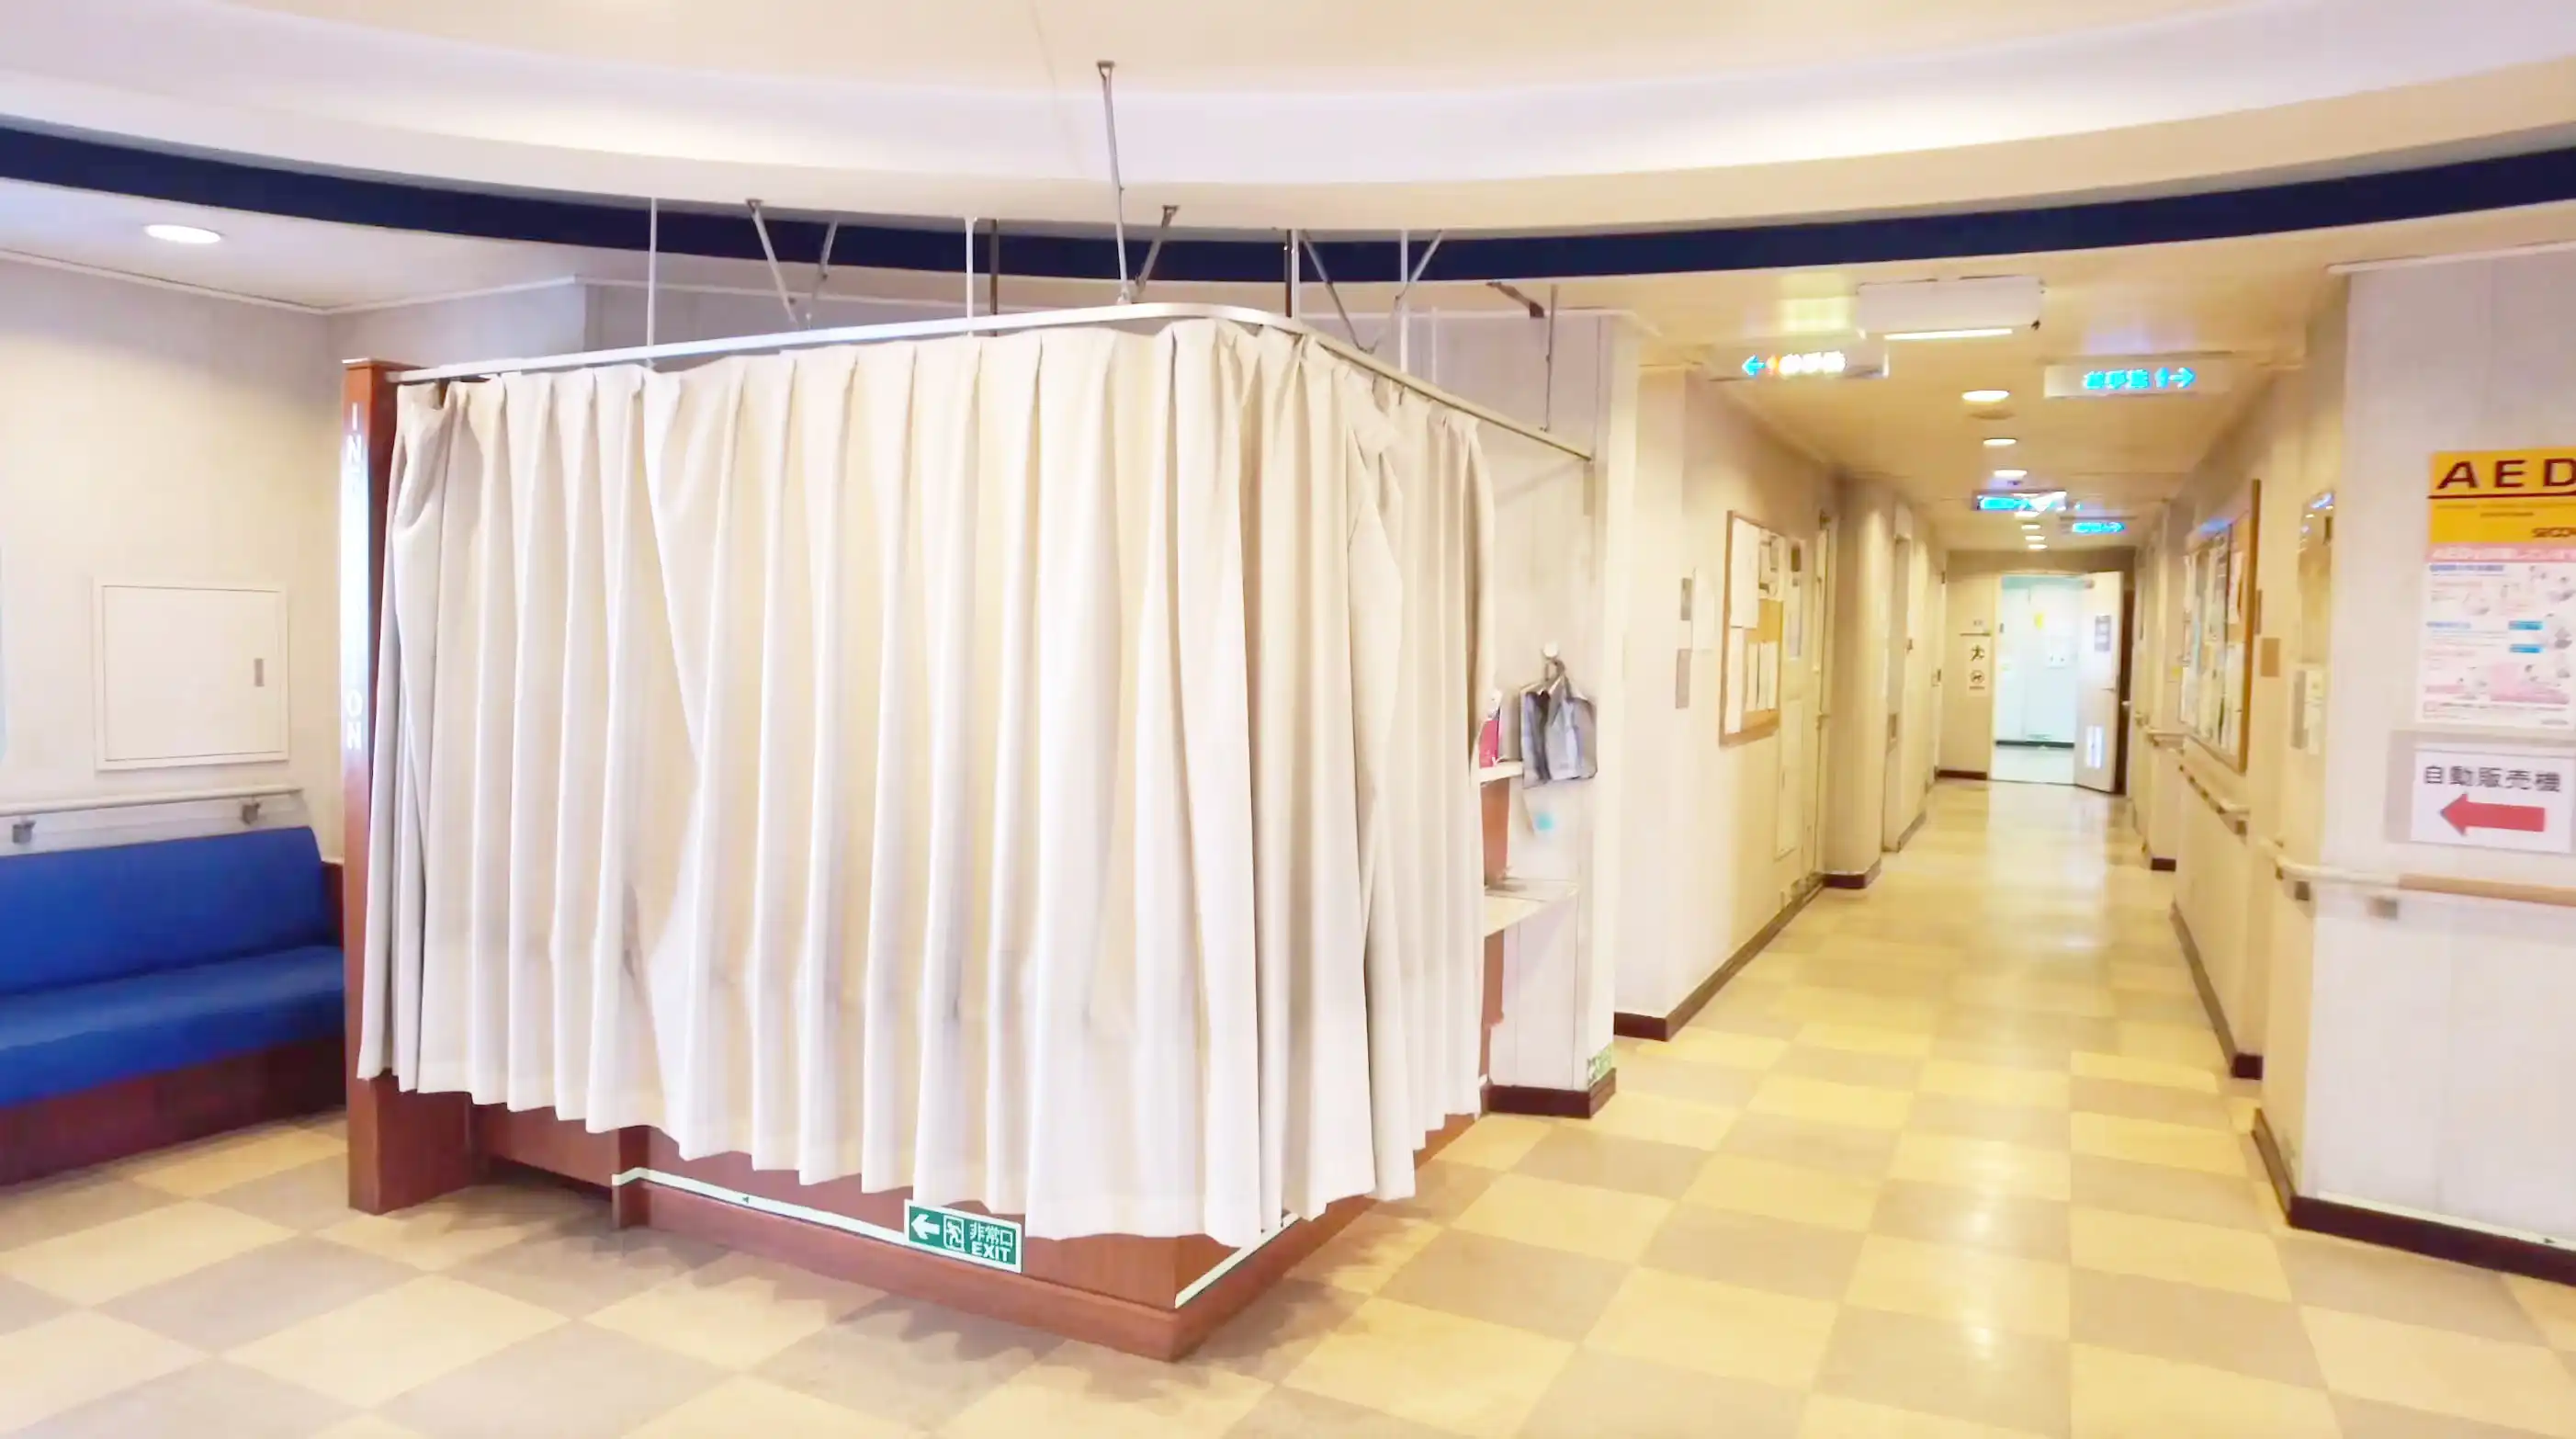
x,y
1084,1392
1984,1165
196,1170
2366,1419
2178,1252
21,1306
392,1342
574,1381
1713,1328
52,1208
1718,1086
1851,1066
1948,1214
1367,1252
1497,1141
2195,1324
1832,1417
448,1231
1603,1223
91,1266
1844,1149
2521,1386
1752,1252
1441,1192
2144,1141
2552,1308
1784,1191
1458,1375
585,1268
1283,1325
744,1406
1577,1154
243,1298
1862,1039
2119,1395
1995,1084
919,1364
1954,1371
2153,979
2156,1102
1664,1121
2032,1125
305,1198
1600,1394
75,1359
735,1312
2386,1284
1977,1287
1717,1046
368,1426
1286,1413
1545,1291
2168,1043
1825,1102
2170,1193
2129,1070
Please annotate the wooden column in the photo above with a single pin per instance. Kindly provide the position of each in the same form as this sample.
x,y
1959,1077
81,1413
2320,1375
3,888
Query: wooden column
x,y
403,1148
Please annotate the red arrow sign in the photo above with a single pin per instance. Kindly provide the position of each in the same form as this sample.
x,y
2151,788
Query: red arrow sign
x,y
2466,814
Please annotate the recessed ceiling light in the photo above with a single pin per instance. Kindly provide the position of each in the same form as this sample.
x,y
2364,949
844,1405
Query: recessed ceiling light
x,y
2000,442
1986,397
182,234
2012,474
1982,332
2031,526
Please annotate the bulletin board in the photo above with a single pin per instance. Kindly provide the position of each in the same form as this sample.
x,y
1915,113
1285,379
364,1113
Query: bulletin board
x,y
2220,620
1759,573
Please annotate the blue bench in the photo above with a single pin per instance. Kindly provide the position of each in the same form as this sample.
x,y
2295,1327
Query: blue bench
x,y
156,992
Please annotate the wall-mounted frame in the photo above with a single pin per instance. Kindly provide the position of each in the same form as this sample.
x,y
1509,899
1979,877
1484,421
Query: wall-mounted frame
x,y
189,674
2222,615
1752,649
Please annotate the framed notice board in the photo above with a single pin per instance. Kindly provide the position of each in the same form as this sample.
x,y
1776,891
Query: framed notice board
x,y
1758,577
2221,616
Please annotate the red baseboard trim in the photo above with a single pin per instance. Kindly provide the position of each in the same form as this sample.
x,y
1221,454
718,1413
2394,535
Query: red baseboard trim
x,y
2429,1237
155,1111
2162,865
1664,1026
1862,880
1553,1103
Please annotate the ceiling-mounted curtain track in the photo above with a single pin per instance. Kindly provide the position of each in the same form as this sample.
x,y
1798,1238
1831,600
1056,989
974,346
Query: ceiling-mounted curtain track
x,y
1139,314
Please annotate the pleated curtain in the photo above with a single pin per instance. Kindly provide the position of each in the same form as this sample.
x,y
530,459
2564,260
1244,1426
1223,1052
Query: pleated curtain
x,y
1032,770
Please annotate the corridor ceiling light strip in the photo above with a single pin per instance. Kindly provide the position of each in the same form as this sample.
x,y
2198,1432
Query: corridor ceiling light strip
x,y
2012,474
183,234
2000,442
1986,332
1986,397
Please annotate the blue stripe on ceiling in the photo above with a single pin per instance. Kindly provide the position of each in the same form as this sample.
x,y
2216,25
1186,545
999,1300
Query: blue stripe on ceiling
x,y
2458,187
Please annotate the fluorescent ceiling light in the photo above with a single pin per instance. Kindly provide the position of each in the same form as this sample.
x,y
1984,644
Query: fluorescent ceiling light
x,y
1981,332
2000,442
1986,397
182,234
1948,309
2012,474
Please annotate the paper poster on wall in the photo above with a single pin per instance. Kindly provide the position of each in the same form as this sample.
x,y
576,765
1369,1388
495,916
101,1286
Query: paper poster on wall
x,y
1736,644
2499,609
1705,622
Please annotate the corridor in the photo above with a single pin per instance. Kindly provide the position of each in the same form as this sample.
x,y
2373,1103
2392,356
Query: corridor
x,y
1951,1160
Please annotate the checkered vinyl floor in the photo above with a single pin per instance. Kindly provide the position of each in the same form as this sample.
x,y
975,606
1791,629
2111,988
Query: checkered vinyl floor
x,y
1953,1159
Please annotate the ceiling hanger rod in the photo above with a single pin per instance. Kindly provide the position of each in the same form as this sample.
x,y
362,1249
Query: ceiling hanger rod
x,y
777,276
993,324
1117,181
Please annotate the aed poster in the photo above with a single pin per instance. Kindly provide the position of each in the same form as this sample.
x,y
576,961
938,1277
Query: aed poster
x,y
2498,645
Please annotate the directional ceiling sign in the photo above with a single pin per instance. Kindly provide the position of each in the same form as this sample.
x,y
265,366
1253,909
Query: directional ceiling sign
x,y
2131,377
1802,360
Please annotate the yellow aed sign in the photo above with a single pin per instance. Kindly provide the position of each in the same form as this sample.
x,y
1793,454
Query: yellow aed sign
x,y
2504,497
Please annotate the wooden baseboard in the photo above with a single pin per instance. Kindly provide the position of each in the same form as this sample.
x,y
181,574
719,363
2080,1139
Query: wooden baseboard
x,y
2162,865
1976,774
1552,1103
1665,1026
1862,880
2239,1063
2432,1238
154,1111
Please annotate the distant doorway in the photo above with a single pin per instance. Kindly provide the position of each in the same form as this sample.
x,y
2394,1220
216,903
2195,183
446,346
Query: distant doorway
x,y
2038,689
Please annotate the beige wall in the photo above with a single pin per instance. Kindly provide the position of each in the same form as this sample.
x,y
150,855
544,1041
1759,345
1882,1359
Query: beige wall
x,y
149,434
1703,864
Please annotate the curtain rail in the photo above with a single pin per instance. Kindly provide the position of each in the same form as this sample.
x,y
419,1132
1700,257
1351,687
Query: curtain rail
x,y
1154,313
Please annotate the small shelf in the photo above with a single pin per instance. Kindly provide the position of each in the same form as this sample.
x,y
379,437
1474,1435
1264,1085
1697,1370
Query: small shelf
x,y
1493,772
1509,901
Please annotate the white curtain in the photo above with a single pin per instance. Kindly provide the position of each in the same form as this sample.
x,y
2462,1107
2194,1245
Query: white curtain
x,y
1032,770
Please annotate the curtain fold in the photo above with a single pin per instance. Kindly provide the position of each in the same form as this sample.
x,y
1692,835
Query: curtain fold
x,y
1031,770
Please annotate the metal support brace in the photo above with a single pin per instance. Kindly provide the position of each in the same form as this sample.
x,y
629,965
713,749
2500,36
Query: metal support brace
x,y
993,272
1410,276
1536,310
970,267
1547,408
1331,290
250,812
777,276
1295,281
1117,182
652,270
22,831
822,268
1154,251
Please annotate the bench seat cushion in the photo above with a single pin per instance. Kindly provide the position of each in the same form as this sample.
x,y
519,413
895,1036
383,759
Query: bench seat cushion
x,y
84,916
61,1041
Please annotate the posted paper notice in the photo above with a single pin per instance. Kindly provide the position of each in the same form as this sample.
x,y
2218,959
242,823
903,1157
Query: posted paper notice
x,y
2499,617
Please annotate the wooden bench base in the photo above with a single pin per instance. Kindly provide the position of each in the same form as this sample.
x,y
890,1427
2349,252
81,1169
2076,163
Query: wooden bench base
x,y
154,1111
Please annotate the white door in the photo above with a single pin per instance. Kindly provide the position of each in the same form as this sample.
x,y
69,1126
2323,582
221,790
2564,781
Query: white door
x,y
2098,643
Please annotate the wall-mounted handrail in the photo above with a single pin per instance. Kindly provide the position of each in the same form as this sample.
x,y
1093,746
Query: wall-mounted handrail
x,y
23,814
2297,872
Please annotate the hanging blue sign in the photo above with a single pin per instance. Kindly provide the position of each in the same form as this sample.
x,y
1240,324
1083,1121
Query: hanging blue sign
x,y
2037,503
2099,527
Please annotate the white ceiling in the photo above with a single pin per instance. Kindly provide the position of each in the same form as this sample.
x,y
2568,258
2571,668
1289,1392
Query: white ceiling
x,y
1320,113
2248,299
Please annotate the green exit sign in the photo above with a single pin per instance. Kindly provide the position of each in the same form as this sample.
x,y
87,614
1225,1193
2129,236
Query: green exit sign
x,y
975,1238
